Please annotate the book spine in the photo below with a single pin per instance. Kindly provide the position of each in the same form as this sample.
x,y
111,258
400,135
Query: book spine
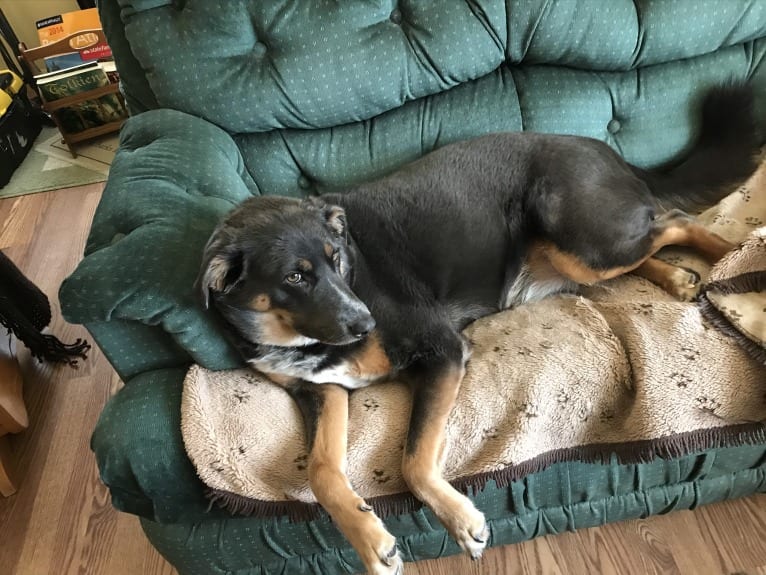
x,y
87,114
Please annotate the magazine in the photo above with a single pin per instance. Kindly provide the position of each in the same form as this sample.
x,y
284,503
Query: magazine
x,y
60,26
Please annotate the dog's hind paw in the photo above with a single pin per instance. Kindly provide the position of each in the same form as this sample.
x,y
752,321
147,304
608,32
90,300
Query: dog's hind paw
x,y
685,284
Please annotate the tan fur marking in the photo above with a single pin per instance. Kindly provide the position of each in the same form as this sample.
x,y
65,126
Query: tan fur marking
x,y
276,327
709,245
328,250
216,271
371,362
327,477
422,471
334,215
678,282
305,265
539,264
673,231
261,302
279,379
572,267
658,272
425,461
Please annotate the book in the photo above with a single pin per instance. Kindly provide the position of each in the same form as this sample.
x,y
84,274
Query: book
x,y
84,46
111,71
76,80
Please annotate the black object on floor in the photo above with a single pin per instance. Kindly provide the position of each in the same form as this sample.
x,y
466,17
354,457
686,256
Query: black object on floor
x,y
25,311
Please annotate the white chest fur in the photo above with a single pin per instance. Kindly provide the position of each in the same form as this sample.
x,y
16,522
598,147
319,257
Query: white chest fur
x,y
345,374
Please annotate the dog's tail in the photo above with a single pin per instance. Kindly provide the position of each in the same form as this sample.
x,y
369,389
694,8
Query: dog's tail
x,y
724,155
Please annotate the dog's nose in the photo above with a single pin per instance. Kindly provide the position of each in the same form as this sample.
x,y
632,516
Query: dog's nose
x,y
361,326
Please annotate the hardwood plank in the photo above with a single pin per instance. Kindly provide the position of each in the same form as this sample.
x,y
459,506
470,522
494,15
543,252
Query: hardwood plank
x,y
61,520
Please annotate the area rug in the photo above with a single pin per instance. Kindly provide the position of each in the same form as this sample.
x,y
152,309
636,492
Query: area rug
x,y
50,166
620,370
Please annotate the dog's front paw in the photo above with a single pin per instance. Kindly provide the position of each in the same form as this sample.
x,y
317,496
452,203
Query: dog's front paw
x,y
468,527
384,559
376,546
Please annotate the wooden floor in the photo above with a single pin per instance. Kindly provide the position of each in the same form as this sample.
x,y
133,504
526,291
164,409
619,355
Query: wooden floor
x,y
61,522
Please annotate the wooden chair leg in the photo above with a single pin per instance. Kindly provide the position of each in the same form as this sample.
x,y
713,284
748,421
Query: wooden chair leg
x,y
13,412
13,417
7,483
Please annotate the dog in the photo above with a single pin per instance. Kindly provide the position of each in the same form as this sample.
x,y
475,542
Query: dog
x,y
333,293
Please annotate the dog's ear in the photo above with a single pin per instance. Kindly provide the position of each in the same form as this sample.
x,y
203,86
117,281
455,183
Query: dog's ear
x,y
334,216
223,266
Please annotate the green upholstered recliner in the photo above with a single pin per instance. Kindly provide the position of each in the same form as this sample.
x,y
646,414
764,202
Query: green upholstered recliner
x,y
232,98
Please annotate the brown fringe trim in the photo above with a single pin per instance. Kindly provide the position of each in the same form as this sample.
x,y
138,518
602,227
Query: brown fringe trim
x,y
747,282
670,447
722,323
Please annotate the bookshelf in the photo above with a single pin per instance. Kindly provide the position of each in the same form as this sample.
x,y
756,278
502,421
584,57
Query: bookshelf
x,y
29,59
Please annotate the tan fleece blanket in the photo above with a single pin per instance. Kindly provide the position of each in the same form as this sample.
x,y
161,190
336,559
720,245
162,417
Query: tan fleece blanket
x,y
622,369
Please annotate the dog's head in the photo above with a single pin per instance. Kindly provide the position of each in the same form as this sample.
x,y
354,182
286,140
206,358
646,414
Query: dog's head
x,y
279,271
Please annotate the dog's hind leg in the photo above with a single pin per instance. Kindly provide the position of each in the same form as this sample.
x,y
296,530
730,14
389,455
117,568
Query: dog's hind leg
x,y
672,228
679,282
436,382
679,228
325,411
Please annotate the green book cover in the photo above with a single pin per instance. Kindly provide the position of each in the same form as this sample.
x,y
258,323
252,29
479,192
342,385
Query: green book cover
x,y
84,115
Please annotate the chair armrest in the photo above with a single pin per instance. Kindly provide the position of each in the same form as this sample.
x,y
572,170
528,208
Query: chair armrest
x,y
172,179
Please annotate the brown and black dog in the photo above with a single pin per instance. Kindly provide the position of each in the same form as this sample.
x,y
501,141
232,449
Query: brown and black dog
x,y
334,293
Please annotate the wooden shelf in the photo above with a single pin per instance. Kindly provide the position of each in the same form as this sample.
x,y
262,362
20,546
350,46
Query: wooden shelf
x,y
28,57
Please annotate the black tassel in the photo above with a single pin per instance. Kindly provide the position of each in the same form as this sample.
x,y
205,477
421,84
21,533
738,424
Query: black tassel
x,y
25,311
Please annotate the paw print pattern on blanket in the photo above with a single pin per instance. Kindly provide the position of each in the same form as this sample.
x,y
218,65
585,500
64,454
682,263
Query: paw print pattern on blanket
x,y
380,476
301,462
690,353
242,395
707,404
371,404
682,380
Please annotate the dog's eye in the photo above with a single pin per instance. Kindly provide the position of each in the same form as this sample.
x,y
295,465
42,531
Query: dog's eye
x,y
294,278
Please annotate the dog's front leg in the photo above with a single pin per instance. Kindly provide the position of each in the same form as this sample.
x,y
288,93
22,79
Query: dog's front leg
x,y
325,412
435,391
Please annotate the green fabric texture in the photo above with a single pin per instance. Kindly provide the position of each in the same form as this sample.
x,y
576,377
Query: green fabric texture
x,y
276,546
647,115
138,95
171,180
233,98
325,63
140,454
